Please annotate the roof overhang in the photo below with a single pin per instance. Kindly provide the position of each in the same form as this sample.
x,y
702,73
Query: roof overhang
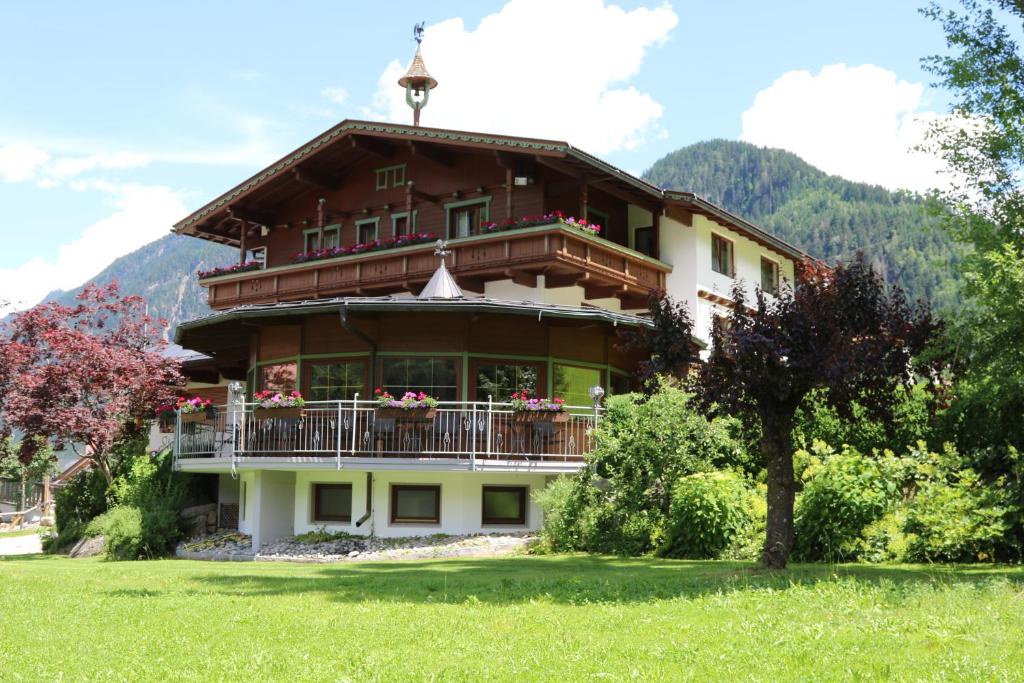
x,y
230,329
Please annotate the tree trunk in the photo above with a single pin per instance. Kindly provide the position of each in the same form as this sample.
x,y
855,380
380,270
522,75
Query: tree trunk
x,y
777,450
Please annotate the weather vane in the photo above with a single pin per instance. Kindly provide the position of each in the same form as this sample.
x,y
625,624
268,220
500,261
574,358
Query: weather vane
x,y
417,81
442,249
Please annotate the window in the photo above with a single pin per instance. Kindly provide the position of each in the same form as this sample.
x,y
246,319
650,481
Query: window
x,y
390,176
721,256
332,237
573,384
498,381
278,377
335,380
332,502
619,384
464,218
367,230
504,505
436,376
400,224
769,276
415,504
644,241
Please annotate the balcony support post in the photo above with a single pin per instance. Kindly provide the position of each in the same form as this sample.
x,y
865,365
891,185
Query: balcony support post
x,y
355,420
177,436
337,436
490,423
472,440
241,242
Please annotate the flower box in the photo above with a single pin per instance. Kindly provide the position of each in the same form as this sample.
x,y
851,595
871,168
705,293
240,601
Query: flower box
x,y
550,416
194,418
278,413
406,414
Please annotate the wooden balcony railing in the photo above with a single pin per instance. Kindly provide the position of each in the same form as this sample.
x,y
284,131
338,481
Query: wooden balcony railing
x,y
565,256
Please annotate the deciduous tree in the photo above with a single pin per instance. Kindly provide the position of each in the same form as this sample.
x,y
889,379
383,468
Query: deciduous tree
x,y
88,375
840,330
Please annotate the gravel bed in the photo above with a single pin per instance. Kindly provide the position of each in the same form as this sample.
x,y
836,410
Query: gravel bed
x,y
228,546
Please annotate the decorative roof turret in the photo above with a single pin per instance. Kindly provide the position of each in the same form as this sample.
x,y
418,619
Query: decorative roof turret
x,y
441,285
417,80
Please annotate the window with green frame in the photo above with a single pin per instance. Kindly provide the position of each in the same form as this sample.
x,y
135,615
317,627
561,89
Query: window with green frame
x,y
367,230
332,237
390,176
619,384
464,218
401,225
498,381
277,377
573,383
599,217
335,380
436,376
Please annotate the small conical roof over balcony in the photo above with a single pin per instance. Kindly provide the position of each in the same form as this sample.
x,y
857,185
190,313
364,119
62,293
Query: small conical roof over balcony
x,y
441,286
417,75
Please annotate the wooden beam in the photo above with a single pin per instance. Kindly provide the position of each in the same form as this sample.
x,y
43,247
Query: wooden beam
x,y
377,148
560,166
522,277
627,196
421,195
566,280
509,184
507,161
241,242
308,177
603,291
432,153
584,196
250,216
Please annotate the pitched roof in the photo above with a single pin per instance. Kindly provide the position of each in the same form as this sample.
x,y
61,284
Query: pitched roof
x,y
554,149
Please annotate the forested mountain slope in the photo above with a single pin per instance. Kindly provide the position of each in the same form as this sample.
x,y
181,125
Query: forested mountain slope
x,y
164,274
827,216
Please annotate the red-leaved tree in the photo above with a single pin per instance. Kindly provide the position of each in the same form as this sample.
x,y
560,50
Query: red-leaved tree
x,y
841,330
88,375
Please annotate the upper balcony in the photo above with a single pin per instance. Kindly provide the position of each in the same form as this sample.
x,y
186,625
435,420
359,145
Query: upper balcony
x,y
562,255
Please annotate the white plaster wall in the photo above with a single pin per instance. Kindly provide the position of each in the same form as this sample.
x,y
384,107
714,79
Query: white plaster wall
x,y
677,247
246,507
461,500
274,498
565,296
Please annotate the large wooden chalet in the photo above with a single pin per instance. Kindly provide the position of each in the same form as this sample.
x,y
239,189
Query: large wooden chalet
x,y
338,290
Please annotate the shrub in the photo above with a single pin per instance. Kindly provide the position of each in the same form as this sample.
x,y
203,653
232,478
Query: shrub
x,y
843,493
884,539
121,527
710,512
963,520
80,500
563,503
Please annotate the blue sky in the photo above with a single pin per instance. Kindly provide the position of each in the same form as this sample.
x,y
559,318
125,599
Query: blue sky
x,y
117,118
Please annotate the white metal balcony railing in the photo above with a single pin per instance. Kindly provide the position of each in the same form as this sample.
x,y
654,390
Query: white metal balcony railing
x,y
352,429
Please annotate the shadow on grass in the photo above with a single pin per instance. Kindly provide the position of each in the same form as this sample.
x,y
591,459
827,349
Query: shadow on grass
x,y
570,579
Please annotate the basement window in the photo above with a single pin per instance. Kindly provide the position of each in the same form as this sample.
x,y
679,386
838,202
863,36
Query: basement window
x,y
332,502
504,505
415,504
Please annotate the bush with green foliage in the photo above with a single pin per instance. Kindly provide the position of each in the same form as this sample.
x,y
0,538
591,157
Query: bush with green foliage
x,y
956,516
710,513
619,502
80,500
912,422
843,493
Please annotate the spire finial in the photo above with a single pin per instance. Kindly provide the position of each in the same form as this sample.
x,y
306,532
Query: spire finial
x,y
417,80
442,249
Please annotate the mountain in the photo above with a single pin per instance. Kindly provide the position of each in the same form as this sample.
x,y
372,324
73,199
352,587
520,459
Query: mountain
x,y
827,216
163,273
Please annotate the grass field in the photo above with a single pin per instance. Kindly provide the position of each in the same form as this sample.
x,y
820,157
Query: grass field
x,y
561,618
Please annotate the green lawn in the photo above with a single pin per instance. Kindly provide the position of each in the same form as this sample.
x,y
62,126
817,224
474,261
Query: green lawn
x,y
524,618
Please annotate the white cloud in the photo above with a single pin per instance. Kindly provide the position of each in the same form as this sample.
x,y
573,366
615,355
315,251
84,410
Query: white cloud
x,y
539,68
69,167
859,122
143,213
335,94
20,162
